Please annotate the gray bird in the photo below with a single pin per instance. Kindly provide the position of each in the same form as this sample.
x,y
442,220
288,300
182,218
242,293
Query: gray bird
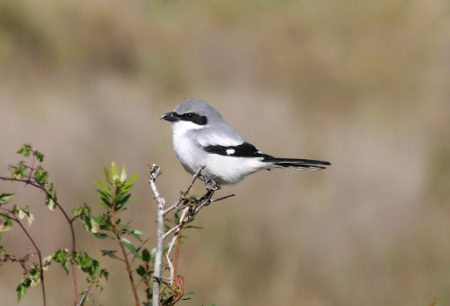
x,y
202,138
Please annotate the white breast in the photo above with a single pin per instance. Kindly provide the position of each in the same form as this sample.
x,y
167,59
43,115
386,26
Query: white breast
x,y
186,149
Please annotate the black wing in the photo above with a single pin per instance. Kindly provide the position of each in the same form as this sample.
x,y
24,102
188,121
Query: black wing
x,y
248,150
243,150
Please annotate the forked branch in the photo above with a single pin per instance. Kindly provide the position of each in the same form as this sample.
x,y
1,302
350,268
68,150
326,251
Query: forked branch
x,y
187,208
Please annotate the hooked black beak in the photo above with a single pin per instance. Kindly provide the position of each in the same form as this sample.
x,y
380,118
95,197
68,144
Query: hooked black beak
x,y
170,116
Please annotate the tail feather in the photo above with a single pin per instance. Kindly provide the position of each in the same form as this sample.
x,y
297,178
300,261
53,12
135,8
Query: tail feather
x,y
297,163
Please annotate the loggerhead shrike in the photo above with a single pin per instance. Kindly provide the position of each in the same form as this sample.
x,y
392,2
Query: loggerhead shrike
x,y
202,139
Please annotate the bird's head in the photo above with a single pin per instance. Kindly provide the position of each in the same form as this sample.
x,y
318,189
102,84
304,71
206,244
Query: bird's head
x,y
193,114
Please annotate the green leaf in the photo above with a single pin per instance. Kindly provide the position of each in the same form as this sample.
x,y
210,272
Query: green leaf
x,y
85,262
141,271
6,197
104,222
31,279
146,255
51,188
78,211
21,290
107,175
123,199
19,170
101,235
152,254
193,227
7,225
63,257
105,199
104,273
130,183
90,224
102,187
137,234
110,253
104,196
22,213
94,269
40,175
50,203
25,150
123,174
114,172
60,255
129,246
39,156
34,275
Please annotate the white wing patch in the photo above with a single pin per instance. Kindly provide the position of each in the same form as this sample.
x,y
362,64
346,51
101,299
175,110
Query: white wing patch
x,y
230,151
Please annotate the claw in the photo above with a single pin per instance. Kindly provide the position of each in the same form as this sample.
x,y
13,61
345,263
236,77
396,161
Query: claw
x,y
212,185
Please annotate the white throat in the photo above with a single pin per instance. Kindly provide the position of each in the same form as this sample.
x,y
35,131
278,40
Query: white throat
x,y
181,127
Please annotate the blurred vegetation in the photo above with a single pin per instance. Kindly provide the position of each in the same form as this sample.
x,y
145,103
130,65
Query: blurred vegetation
x,y
361,83
142,265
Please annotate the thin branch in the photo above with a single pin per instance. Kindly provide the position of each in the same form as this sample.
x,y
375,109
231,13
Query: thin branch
x,y
187,215
173,229
181,224
183,219
223,198
189,212
22,261
73,269
125,256
185,193
85,294
170,264
155,171
37,249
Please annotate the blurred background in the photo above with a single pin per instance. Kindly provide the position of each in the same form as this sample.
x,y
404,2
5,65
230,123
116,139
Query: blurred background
x,y
364,84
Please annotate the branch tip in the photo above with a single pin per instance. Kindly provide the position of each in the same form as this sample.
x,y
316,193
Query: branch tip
x,y
155,171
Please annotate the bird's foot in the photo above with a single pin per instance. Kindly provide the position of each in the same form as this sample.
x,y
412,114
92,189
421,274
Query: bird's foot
x,y
211,187
211,184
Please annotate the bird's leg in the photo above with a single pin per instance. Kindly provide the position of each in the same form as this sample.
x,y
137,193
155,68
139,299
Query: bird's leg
x,y
211,187
211,184
207,196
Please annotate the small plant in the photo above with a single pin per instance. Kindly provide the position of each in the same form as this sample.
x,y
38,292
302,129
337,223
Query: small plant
x,y
30,171
152,272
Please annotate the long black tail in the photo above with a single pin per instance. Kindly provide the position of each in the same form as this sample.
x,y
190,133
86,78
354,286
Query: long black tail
x,y
297,163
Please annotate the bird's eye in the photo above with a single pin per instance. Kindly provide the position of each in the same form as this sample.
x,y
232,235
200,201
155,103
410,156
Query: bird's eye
x,y
189,115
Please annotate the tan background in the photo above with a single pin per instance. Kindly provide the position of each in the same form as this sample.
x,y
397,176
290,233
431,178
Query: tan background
x,y
364,84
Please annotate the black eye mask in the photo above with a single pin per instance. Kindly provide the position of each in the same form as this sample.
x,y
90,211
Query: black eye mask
x,y
193,117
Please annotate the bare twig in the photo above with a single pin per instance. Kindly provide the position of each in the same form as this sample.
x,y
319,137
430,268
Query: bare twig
x,y
187,216
24,261
8,214
155,171
85,294
176,229
223,198
185,193
190,208
196,209
170,264
173,229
